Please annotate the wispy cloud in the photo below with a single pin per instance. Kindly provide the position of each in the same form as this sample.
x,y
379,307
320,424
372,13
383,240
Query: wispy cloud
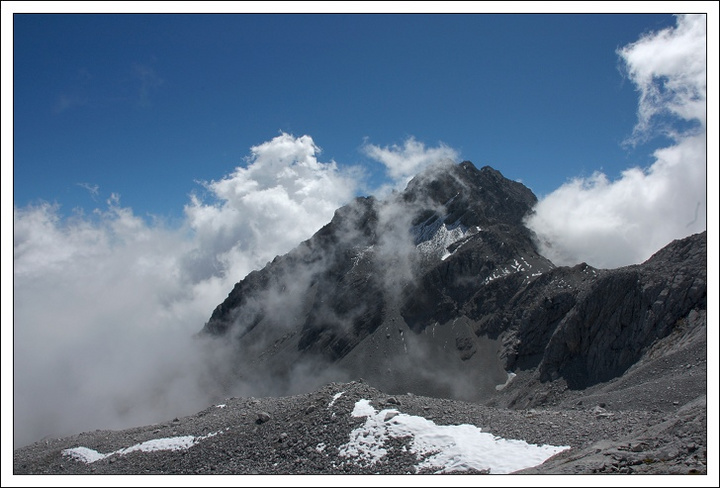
x,y
76,95
149,81
669,69
92,189
136,84
66,101
106,306
405,161
613,223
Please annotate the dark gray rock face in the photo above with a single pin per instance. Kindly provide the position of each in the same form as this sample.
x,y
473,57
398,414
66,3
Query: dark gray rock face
x,y
625,311
444,281
588,325
401,269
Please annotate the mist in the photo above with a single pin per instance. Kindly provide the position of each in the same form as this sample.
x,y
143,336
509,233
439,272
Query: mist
x,y
107,305
403,162
609,223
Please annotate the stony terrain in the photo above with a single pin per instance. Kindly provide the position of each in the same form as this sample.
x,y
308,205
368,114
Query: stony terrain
x,y
652,420
603,440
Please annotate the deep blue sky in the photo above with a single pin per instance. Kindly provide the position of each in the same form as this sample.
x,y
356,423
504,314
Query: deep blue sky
x,y
146,105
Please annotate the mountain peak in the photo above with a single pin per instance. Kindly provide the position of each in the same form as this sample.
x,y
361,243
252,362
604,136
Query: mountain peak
x,y
383,268
485,195
445,270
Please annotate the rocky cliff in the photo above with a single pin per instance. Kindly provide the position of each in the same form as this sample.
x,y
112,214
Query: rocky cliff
x,y
440,290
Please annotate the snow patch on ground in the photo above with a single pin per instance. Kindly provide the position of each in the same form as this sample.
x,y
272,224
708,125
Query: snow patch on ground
x,y
87,455
444,449
335,397
84,454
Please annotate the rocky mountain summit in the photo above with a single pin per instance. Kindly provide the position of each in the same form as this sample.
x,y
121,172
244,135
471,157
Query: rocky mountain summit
x,y
441,291
387,285
436,303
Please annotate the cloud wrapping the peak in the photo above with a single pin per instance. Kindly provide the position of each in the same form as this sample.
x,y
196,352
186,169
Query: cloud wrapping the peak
x,y
610,223
404,162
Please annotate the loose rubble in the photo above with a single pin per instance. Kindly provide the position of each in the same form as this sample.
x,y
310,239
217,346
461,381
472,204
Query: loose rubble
x,y
303,434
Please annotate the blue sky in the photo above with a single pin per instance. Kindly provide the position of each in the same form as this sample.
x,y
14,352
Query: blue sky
x,y
145,105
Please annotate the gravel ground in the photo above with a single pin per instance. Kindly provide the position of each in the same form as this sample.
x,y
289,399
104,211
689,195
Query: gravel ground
x,y
283,435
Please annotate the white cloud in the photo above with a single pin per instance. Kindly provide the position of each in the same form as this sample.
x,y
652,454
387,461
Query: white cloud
x,y
404,162
669,70
280,198
102,323
106,305
93,190
614,223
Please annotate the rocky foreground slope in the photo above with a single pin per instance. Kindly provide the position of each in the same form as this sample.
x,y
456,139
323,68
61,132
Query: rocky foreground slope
x,y
310,434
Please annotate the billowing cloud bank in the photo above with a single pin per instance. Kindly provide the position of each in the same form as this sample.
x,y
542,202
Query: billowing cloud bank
x,y
268,207
614,223
106,305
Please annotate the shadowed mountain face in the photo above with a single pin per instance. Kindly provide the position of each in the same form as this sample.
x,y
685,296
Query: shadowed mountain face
x,y
440,291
